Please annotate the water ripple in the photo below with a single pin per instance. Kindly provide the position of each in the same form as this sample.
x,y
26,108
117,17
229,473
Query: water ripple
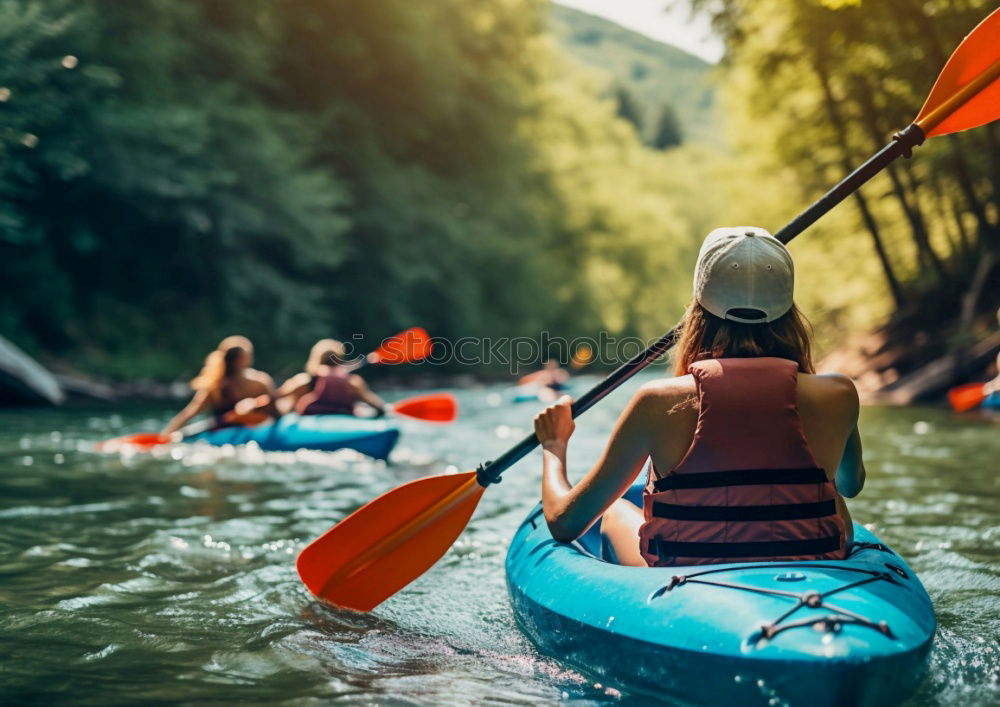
x,y
170,577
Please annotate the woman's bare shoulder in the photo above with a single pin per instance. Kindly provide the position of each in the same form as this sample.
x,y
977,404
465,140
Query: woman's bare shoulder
x,y
834,391
664,394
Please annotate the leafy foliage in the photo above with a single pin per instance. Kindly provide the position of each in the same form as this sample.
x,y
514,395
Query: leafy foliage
x,y
295,170
813,87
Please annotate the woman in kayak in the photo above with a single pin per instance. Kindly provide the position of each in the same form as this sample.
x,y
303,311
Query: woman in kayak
x,y
227,384
328,387
750,452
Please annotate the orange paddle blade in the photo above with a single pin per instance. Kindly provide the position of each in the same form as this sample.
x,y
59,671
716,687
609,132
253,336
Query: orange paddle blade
x,y
967,92
965,397
386,544
433,407
142,442
405,347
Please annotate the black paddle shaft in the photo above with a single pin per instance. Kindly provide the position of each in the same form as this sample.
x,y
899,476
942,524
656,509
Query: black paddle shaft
x,y
902,144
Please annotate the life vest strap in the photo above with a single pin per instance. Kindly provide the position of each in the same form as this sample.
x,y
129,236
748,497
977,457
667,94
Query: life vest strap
x,y
787,511
772,548
741,477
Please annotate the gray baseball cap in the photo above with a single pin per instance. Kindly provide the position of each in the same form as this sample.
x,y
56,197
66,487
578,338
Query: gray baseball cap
x,y
744,274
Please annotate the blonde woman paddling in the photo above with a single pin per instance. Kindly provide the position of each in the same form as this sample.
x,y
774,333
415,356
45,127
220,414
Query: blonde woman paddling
x,y
328,386
227,384
750,452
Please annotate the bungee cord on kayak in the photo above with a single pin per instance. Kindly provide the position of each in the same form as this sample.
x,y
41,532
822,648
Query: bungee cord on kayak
x,y
810,599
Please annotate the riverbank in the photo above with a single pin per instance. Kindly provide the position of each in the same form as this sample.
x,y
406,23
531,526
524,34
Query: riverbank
x,y
885,374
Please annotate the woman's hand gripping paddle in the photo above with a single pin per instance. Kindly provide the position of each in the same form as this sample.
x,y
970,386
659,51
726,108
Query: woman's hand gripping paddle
x,y
386,544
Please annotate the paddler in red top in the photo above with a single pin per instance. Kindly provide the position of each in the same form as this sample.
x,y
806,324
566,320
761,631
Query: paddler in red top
x,y
750,452
229,388
327,386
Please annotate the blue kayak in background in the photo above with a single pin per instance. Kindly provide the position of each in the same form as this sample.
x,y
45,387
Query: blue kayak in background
x,y
992,401
374,437
851,632
530,393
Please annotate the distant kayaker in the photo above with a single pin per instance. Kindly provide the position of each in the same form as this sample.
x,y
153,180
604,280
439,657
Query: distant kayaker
x,y
327,386
228,384
547,383
750,452
993,386
551,376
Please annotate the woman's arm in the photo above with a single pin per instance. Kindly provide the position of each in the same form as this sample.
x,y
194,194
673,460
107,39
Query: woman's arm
x,y
296,386
570,510
994,385
291,390
198,404
835,402
850,478
365,394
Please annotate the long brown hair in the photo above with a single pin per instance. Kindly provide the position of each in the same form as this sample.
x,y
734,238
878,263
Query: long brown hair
x,y
704,336
221,363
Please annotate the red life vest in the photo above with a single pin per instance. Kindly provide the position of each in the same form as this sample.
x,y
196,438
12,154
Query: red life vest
x,y
332,394
749,488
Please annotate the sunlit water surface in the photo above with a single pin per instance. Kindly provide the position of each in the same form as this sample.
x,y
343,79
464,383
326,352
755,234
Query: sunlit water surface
x,y
170,577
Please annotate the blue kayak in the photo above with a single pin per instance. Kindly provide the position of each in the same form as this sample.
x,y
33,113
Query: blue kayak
x,y
530,393
376,438
992,401
526,394
853,632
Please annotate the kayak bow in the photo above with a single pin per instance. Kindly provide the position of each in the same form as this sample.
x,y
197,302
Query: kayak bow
x,y
851,632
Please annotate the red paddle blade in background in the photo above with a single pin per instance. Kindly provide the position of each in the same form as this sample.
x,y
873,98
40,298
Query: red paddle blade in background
x,y
142,442
965,397
406,347
387,543
976,65
433,407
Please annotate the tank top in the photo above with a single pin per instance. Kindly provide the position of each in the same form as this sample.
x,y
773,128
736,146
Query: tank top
x,y
749,488
331,394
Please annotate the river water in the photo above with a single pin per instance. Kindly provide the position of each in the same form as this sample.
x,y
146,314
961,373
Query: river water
x,y
170,577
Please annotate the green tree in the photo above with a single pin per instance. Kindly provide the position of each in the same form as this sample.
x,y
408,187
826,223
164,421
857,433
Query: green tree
x,y
629,108
668,129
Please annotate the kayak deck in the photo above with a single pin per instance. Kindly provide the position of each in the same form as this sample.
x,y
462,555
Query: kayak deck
x,y
375,438
851,632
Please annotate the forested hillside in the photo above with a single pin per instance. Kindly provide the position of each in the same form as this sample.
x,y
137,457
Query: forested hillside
x,y
172,172
658,76
176,171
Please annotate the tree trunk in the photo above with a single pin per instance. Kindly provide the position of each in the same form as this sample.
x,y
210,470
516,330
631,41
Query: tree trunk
x,y
847,162
911,211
